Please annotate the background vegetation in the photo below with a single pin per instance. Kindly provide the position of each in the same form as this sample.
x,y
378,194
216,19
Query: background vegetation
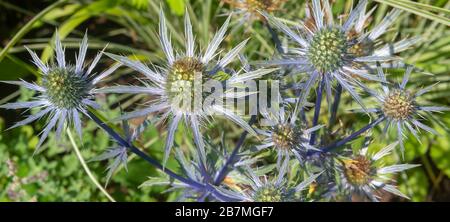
x,y
130,27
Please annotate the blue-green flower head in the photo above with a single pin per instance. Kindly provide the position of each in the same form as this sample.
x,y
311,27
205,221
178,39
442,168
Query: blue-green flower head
x,y
175,83
269,193
65,89
403,108
329,51
65,92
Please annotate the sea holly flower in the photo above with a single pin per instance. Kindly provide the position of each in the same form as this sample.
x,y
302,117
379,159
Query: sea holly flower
x,y
286,135
277,189
248,10
401,107
368,42
327,51
364,173
66,91
194,172
176,86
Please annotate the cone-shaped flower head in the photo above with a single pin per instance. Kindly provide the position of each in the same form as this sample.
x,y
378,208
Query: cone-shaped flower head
x,y
66,90
177,85
402,108
328,51
364,173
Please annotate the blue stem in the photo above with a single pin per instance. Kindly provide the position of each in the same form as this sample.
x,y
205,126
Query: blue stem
x,y
335,106
351,137
275,38
317,110
231,159
141,154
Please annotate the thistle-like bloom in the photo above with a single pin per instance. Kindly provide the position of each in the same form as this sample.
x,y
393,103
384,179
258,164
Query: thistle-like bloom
x,y
65,92
249,9
364,174
328,51
176,86
286,135
400,107
253,189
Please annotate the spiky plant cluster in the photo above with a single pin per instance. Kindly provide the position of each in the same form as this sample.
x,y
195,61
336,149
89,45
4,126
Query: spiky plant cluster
x,y
65,92
282,151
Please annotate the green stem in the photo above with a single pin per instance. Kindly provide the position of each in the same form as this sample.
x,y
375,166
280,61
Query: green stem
x,y
86,168
27,27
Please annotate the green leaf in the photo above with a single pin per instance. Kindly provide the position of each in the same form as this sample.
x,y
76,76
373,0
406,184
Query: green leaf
x,y
12,68
177,6
27,27
75,20
440,152
418,9
416,185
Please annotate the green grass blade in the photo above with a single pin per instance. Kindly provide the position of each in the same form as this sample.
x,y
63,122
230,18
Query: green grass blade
x,y
408,6
27,27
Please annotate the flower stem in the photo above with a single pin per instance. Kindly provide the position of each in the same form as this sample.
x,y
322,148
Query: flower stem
x,y
275,38
231,159
351,137
141,154
335,106
86,168
319,91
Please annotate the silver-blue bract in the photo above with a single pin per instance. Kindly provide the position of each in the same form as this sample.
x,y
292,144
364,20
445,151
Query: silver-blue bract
x,y
328,51
170,85
286,135
118,153
364,174
65,92
400,107
277,189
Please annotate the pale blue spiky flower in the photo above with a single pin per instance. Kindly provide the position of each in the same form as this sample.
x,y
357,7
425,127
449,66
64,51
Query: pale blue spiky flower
x,y
400,106
253,188
365,173
173,82
66,90
328,51
286,135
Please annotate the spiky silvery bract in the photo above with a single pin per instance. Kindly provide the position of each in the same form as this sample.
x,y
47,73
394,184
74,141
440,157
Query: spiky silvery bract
x,y
328,51
286,135
118,154
364,173
176,85
400,106
65,92
276,189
